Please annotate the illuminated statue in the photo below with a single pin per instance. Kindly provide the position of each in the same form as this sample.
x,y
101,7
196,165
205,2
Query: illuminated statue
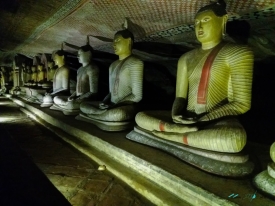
x,y
61,79
50,75
119,107
3,79
86,87
33,76
265,181
213,86
40,75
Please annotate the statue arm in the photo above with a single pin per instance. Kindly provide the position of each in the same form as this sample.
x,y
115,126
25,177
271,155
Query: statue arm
x,y
179,105
93,75
136,76
241,69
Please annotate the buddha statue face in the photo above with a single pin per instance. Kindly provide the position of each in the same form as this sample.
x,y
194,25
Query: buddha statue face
x,y
121,45
58,60
84,57
209,27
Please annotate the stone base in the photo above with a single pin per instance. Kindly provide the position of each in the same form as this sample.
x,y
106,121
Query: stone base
x,y
265,183
224,164
107,126
46,104
65,111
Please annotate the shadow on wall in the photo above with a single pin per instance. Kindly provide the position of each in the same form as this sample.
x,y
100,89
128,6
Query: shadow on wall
x,y
259,121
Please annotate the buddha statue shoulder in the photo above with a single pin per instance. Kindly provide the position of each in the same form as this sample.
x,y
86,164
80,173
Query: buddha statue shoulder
x,y
213,87
86,87
125,85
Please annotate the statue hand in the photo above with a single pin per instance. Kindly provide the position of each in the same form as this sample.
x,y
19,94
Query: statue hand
x,y
180,120
103,106
70,99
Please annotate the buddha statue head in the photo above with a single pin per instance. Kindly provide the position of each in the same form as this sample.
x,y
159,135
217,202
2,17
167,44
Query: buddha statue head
x,y
210,23
33,69
40,68
123,43
85,55
59,58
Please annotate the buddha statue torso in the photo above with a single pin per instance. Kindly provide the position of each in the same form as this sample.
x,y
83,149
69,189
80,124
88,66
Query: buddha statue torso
x,y
125,77
87,79
61,78
223,84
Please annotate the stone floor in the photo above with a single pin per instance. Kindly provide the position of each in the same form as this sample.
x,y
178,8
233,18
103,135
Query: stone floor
x,y
72,173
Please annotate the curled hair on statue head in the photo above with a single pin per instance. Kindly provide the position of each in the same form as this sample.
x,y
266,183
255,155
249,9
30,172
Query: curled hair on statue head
x,y
87,48
126,34
218,7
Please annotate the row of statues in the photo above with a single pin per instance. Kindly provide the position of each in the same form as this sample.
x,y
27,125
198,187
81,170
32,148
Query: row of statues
x,y
213,87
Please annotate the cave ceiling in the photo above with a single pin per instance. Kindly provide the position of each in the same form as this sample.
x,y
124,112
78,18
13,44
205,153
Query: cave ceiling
x,y
30,27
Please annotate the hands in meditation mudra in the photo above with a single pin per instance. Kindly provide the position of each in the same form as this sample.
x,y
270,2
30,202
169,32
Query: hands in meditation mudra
x,y
119,107
213,86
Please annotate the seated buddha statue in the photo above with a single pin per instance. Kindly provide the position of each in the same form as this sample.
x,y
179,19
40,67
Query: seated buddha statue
x,y
2,81
265,181
213,86
33,79
40,75
50,75
119,107
60,80
86,86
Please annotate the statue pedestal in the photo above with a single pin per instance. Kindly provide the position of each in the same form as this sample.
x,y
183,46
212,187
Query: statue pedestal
x,y
266,182
224,164
106,126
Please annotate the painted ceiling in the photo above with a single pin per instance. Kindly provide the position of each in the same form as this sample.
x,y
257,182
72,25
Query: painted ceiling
x,y
37,26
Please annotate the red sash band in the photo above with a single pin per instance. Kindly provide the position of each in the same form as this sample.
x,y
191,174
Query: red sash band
x,y
205,74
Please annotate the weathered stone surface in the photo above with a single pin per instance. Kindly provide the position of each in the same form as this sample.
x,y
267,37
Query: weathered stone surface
x,y
204,163
265,182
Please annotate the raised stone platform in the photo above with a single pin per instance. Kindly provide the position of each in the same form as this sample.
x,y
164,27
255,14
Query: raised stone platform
x,y
224,164
158,176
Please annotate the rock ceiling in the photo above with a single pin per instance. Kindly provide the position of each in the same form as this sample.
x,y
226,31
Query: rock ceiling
x,y
38,26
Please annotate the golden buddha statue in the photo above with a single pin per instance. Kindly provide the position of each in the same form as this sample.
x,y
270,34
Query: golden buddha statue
x,y
119,107
265,181
86,87
60,80
213,86
40,74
